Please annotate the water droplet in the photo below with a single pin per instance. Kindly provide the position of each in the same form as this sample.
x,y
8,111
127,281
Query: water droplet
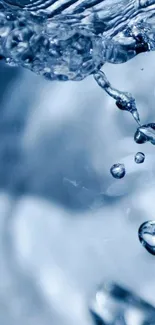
x,y
118,171
146,235
145,133
126,102
139,157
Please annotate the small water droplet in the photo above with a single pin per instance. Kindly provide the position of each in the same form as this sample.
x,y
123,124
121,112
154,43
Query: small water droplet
x,y
146,235
118,171
145,133
139,157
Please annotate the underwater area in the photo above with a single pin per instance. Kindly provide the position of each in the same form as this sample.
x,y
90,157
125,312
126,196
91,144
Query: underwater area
x,y
77,162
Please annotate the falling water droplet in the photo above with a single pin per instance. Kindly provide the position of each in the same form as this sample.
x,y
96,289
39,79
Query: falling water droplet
x,y
139,157
126,102
146,235
118,171
145,133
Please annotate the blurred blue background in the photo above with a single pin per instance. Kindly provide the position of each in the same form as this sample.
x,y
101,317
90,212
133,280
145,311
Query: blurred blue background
x,y
65,224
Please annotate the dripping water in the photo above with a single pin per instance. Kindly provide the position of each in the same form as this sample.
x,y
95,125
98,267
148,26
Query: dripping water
x,y
71,39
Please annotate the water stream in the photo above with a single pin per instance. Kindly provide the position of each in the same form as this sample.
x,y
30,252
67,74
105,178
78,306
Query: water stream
x,y
72,39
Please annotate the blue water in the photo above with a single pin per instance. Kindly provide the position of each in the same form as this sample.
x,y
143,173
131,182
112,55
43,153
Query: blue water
x,y
72,225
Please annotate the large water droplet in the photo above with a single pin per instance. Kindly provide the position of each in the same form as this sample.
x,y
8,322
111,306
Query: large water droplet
x,y
145,133
139,157
118,171
146,235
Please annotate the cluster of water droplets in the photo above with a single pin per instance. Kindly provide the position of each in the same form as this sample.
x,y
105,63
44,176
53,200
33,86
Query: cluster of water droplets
x,y
72,39
125,101
144,133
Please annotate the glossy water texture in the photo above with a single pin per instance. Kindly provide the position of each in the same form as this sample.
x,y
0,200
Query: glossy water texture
x,y
71,39
145,133
146,235
139,157
118,171
114,305
124,100
68,233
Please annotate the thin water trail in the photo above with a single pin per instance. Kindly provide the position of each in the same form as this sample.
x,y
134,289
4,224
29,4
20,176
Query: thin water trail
x,y
124,100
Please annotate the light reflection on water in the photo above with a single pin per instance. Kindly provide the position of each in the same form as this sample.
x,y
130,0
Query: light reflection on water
x,y
68,234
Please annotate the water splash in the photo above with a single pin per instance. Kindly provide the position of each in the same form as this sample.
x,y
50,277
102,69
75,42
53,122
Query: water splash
x,y
71,39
